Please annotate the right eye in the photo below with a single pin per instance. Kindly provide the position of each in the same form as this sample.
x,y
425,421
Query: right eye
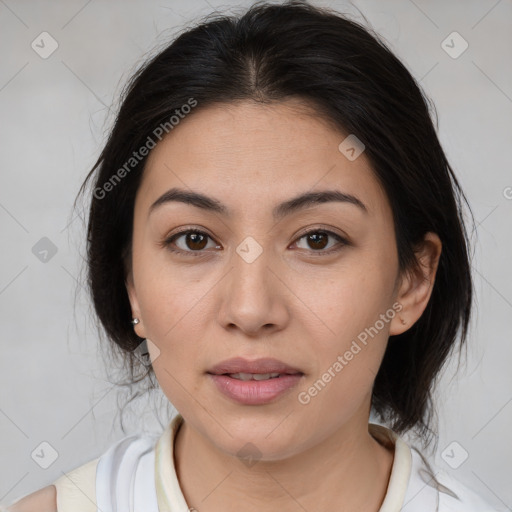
x,y
192,241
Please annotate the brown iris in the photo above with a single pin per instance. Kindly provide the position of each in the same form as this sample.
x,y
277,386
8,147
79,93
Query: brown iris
x,y
318,240
196,241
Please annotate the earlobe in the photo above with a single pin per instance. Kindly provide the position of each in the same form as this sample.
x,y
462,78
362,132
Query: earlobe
x,y
136,320
417,284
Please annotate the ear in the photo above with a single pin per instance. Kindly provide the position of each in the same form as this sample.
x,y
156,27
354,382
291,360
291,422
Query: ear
x,y
134,302
416,286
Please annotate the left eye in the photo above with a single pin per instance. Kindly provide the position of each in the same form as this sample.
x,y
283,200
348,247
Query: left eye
x,y
318,240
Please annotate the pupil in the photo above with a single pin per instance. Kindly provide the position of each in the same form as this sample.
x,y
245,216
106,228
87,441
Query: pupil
x,y
315,237
194,237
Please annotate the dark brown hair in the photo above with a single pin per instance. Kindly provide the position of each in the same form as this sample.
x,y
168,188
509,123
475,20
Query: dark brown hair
x,y
269,54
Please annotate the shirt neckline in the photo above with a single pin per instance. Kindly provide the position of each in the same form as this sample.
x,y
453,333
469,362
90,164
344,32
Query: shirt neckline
x,y
170,496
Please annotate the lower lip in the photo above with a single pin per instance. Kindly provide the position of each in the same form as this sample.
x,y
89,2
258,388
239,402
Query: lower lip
x,y
255,392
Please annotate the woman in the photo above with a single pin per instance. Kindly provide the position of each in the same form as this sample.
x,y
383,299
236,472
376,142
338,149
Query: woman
x,y
274,224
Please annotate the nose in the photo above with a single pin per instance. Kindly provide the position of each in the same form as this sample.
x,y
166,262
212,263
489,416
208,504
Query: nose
x,y
254,297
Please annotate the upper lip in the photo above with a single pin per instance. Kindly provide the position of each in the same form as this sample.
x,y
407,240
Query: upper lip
x,y
241,365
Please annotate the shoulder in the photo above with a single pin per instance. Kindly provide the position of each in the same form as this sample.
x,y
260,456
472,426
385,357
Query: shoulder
x,y
43,500
76,489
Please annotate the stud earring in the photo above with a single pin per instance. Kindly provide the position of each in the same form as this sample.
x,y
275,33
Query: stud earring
x,y
403,321
135,321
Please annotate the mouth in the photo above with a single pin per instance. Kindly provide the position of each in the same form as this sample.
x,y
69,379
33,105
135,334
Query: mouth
x,y
255,382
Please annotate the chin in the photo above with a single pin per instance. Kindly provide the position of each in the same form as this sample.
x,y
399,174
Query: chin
x,y
261,438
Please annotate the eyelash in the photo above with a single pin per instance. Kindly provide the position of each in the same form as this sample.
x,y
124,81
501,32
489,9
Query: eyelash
x,y
167,242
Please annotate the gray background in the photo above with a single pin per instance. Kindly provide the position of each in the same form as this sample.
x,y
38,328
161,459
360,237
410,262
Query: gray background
x,y
55,117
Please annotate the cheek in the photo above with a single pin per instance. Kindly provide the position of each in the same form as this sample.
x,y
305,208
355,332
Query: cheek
x,y
171,309
168,294
356,306
174,328
351,300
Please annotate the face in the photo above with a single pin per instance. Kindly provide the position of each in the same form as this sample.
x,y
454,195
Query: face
x,y
304,285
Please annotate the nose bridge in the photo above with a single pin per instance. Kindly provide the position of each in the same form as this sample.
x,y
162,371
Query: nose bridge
x,y
250,276
252,295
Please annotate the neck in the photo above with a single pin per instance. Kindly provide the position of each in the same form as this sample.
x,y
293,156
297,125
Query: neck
x,y
349,469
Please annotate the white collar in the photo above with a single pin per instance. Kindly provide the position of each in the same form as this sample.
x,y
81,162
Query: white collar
x,y
170,497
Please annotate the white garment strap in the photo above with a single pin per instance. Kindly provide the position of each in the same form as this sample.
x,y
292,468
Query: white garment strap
x,y
125,476
145,498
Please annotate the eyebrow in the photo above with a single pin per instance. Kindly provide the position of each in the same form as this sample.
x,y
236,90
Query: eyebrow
x,y
281,210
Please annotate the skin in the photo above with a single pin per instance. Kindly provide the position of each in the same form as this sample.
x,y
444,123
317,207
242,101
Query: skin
x,y
290,303
42,500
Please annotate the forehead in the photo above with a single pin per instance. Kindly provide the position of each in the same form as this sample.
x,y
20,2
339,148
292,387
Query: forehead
x,y
247,153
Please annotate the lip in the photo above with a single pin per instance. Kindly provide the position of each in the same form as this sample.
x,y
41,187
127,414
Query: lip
x,y
263,365
254,392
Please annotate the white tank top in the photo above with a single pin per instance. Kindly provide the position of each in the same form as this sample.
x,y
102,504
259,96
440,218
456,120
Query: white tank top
x,y
125,476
